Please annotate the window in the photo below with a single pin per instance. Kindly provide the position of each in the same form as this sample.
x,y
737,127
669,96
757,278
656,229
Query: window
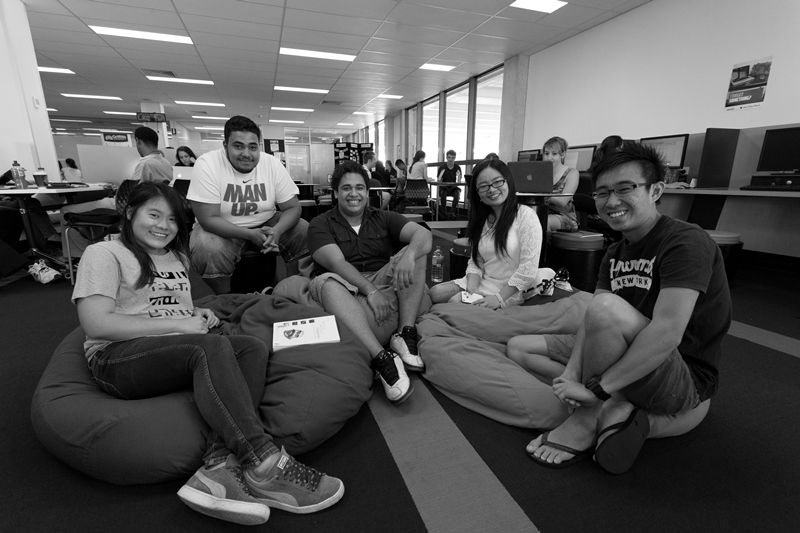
x,y
411,129
430,133
455,121
489,97
380,141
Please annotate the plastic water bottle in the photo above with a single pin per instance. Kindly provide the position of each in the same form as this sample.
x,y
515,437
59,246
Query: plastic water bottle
x,y
18,175
437,265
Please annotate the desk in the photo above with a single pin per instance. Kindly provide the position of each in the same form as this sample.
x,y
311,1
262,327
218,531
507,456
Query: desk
x,y
22,194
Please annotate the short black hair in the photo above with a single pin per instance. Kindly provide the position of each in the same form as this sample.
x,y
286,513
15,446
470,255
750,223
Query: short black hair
x,y
146,135
451,152
650,162
346,167
368,156
240,123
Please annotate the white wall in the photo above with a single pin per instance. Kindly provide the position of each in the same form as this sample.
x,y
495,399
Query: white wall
x,y
664,68
67,145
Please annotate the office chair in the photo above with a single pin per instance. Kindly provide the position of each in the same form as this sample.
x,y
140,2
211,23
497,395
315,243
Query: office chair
x,y
417,197
97,224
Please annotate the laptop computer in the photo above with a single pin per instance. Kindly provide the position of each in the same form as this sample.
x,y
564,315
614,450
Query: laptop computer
x,y
182,173
532,176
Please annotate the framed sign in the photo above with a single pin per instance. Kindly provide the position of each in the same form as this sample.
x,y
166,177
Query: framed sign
x,y
151,117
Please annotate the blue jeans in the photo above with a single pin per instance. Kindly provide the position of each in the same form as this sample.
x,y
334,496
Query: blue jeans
x,y
226,374
213,256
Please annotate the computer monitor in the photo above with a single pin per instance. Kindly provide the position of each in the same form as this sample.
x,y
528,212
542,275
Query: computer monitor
x,y
780,151
529,155
580,157
671,147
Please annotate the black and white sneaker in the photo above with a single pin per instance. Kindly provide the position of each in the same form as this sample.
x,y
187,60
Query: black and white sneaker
x,y
390,371
404,344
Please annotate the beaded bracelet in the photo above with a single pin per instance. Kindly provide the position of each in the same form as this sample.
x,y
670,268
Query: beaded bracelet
x,y
500,299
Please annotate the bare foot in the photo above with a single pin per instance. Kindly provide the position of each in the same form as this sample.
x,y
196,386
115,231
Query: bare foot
x,y
576,432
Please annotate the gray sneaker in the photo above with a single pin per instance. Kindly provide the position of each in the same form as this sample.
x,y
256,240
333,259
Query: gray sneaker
x,y
221,492
294,487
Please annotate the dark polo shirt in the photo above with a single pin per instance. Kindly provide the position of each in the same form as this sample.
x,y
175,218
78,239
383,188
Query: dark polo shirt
x,y
370,249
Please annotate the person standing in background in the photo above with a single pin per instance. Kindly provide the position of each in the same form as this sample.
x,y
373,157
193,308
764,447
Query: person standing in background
x,y
152,166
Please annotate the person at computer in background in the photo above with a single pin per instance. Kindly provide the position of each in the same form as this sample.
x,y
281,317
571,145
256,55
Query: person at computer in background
x,y
375,292
371,165
243,197
71,172
152,166
561,214
418,169
505,239
451,173
645,360
185,157
390,168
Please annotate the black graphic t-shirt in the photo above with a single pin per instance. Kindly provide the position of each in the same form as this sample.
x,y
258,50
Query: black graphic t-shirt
x,y
676,254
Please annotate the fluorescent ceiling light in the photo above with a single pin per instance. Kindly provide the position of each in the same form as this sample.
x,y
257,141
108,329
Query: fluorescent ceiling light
x,y
69,120
130,113
436,66
137,123
60,129
52,109
209,104
314,53
56,70
287,121
300,89
362,113
106,130
91,96
212,128
180,80
543,6
344,123
135,34
62,133
299,109
206,117
91,134
390,96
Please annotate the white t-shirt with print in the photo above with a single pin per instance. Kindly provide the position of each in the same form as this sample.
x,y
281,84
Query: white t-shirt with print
x,y
110,269
246,200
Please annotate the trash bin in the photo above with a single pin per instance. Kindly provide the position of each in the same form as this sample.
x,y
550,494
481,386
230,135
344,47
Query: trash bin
x,y
579,252
730,244
459,256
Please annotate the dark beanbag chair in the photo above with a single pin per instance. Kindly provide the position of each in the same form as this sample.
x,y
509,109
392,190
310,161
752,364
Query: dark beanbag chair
x,y
311,392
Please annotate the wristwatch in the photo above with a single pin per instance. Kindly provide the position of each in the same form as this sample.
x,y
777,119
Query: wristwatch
x,y
594,385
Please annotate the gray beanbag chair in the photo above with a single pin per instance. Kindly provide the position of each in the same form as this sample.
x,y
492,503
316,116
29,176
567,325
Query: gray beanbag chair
x,y
464,348
311,392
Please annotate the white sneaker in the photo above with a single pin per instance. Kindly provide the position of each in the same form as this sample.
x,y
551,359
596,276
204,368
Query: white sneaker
x,y
390,371
404,344
42,273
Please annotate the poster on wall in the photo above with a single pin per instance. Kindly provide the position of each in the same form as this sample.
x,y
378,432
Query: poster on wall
x,y
277,148
748,84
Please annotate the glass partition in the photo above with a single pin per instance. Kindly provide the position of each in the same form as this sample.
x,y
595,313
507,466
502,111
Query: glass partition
x,y
430,133
455,122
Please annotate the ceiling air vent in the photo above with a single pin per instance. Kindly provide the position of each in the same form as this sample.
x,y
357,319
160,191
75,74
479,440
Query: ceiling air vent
x,y
161,73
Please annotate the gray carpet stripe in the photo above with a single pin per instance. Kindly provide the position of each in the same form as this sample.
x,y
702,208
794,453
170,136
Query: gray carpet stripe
x,y
453,489
769,339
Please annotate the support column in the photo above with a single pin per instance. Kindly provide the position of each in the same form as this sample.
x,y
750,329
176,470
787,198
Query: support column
x,y
160,127
25,129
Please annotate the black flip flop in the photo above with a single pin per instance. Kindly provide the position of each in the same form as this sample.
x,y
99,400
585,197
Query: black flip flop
x,y
617,452
578,455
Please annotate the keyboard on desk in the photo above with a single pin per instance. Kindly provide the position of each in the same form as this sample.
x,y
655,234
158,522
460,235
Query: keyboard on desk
x,y
66,185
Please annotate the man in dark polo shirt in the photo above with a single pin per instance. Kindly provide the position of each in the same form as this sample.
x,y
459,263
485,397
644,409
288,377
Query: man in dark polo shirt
x,y
451,173
374,291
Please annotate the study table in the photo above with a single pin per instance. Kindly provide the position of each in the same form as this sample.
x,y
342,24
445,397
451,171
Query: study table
x,y
22,194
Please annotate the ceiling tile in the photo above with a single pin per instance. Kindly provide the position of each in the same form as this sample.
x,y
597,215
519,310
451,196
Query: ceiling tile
x,y
519,30
318,40
570,15
416,34
232,27
124,16
436,17
233,10
372,9
328,22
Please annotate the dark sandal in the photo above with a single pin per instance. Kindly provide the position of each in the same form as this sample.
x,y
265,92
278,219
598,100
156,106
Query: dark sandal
x,y
617,452
578,455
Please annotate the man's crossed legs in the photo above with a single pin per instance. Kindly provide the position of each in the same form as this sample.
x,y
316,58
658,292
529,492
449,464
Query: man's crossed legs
x,y
662,403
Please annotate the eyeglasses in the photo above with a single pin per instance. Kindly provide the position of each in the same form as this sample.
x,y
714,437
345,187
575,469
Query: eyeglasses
x,y
484,188
622,189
